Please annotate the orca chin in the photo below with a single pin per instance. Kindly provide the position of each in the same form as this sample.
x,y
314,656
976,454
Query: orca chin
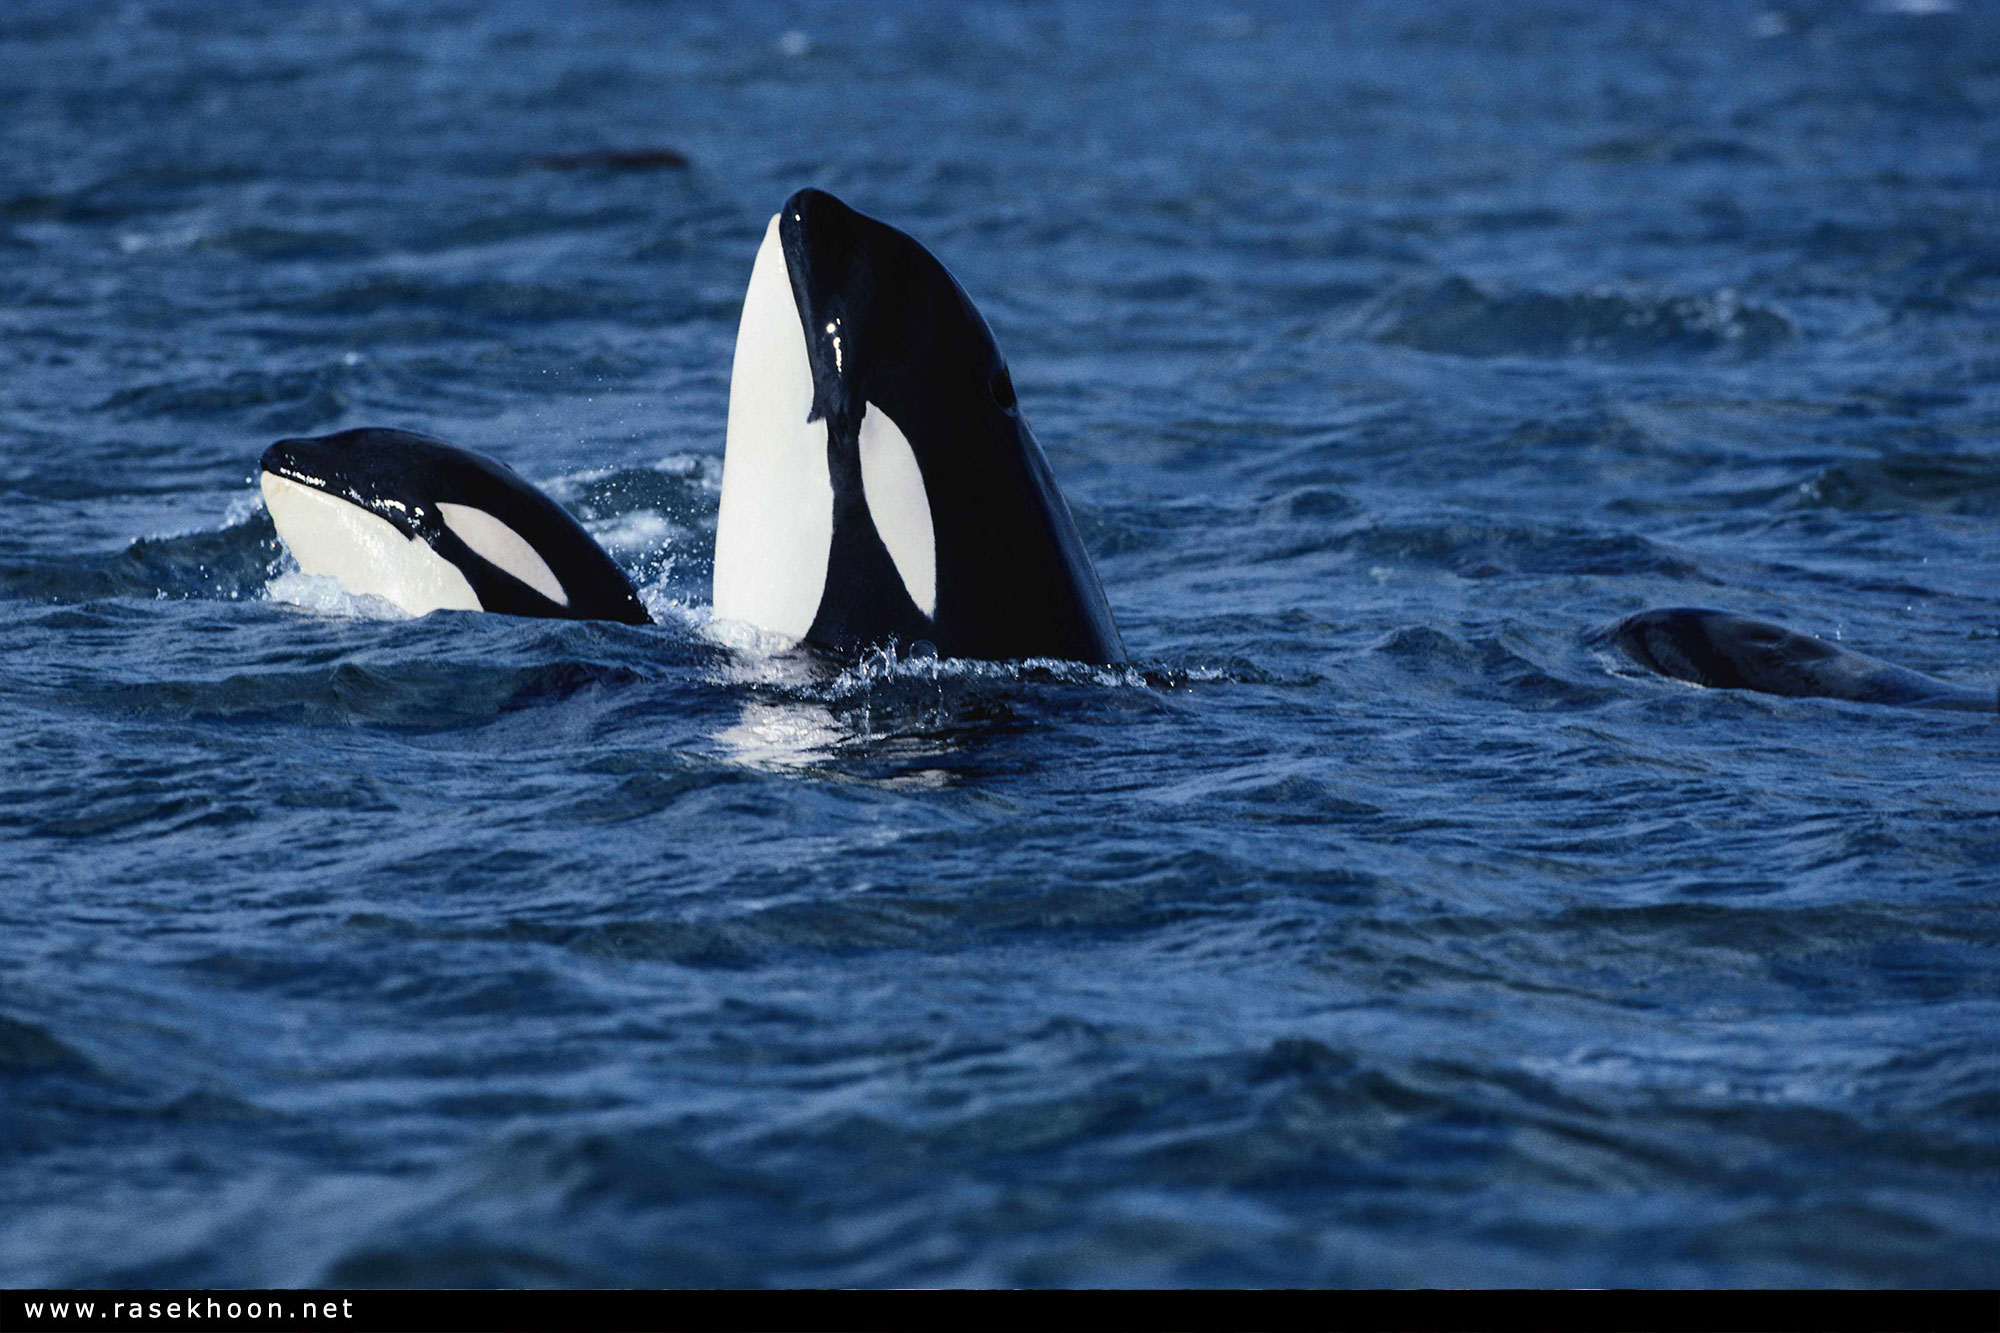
x,y
1730,652
429,526
879,484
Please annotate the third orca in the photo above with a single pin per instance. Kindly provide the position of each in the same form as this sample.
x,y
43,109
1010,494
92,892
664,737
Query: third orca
x,y
1731,652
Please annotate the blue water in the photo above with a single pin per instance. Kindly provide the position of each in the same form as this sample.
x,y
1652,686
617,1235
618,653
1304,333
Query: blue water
x,y
1377,925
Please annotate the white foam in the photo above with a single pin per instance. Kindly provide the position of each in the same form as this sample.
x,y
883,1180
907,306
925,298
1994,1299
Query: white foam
x,y
640,530
666,609
744,637
243,506
323,594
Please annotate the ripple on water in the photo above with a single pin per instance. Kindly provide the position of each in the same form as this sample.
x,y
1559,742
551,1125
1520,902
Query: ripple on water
x,y
1459,318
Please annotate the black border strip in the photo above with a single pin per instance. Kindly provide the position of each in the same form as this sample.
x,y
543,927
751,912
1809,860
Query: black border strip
x,y
382,1311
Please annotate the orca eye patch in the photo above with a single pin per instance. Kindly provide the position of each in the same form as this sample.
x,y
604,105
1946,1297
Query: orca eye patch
x,y
493,541
1003,390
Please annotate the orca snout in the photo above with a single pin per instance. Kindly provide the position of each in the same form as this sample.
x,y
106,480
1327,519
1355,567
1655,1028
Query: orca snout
x,y
328,462
821,221
286,459
390,473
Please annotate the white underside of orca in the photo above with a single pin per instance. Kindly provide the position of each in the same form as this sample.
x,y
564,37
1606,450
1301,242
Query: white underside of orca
x,y
333,539
774,531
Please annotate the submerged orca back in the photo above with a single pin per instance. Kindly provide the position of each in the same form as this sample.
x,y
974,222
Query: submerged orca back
x,y
1725,651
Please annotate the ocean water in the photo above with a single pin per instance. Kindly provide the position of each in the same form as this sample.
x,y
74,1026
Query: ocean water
x,y
1376,925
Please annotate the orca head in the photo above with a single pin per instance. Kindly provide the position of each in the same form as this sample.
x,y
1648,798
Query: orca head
x,y
879,483
429,526
1724,650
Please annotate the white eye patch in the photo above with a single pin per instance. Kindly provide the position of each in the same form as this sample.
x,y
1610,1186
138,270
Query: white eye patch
x,y
505,548
893,485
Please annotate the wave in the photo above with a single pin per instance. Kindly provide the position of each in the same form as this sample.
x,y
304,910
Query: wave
x,y
25,1048
231,563
288,402
1474,546
1480,665
1460,318
1967,484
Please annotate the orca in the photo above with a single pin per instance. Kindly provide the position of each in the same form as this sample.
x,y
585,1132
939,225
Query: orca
x,y
430,526
1730,652
879,484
